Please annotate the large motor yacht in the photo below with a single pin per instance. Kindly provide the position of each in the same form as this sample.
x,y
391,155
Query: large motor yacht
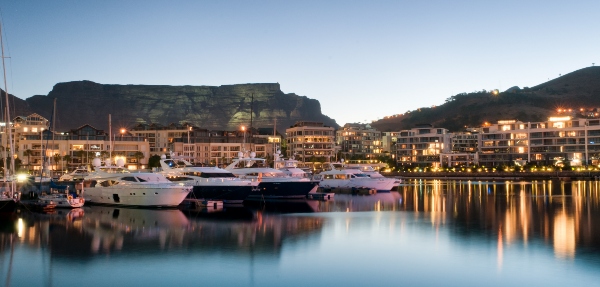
x,y
339,177
142,189
274,183
209,183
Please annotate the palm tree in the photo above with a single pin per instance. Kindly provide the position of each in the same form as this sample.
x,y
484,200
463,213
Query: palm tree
x,y
138,155
28,153
56,157
67,158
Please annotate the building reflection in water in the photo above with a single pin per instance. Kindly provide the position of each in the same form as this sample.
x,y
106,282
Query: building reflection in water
x,y
560,213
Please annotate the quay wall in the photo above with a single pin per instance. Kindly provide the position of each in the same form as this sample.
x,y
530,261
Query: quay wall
x,y
546,175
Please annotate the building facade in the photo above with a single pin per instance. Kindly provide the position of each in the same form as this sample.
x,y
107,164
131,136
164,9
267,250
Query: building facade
x,y
310,142
359,141
422,146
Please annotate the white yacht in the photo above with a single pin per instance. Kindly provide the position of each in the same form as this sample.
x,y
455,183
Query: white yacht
x,y
340,177
274,183
114,186
209,183
371,172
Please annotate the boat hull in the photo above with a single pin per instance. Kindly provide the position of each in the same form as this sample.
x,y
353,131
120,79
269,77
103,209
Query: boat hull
x,y
379,184
64,202
283,190
8,205
142,196
229,194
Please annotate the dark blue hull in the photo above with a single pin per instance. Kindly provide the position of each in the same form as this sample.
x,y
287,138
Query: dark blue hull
x,y
227,194
8,205
283,190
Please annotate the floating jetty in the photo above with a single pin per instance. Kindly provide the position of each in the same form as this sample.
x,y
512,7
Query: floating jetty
x,y
353,190
321,195
201,203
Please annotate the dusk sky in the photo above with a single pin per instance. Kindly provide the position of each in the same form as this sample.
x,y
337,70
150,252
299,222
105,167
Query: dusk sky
x,y
362,60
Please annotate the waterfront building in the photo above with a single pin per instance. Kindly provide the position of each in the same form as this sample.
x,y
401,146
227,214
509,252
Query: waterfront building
x,y
161,137
559,141
35,144
310,142
422,146
388,141
359,141
221,147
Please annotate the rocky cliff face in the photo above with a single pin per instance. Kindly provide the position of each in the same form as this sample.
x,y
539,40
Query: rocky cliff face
x,y
218,108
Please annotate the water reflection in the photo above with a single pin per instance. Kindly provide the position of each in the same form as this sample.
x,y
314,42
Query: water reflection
x,y
559,212
350,240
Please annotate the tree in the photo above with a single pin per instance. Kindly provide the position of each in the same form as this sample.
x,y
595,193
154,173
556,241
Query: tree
x,y
56,157
154,161
67,158
28,153
138,155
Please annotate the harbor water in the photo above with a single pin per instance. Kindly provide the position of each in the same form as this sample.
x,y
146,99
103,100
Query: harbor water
x,y
428,233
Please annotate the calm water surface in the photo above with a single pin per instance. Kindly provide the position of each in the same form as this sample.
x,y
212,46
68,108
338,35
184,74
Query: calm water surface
x,y
429,233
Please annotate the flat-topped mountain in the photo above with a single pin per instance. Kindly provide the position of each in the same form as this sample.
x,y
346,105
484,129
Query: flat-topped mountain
x,y
219,108
577,90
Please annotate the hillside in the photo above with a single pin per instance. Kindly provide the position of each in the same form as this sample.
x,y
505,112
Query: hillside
x,y
219,108
579,89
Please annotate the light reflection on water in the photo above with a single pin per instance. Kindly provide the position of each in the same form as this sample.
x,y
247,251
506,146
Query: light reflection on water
x,y
464,232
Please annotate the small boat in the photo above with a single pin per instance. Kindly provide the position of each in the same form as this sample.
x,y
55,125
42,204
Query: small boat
x,y
209,183
62,197
134,189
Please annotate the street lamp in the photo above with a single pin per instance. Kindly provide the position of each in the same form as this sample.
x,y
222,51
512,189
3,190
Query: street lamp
x,y
189,129
244,142
123,130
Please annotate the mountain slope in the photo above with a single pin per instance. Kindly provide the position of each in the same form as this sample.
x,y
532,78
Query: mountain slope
x,y
576,90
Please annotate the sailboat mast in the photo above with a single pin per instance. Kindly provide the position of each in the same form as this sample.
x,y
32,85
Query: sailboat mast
x,y
110,144
8,127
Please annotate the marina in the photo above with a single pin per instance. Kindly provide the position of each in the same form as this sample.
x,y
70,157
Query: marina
x,y
467,232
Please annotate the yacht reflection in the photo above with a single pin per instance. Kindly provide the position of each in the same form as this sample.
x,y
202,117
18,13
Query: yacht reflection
x,y
285,206
377,202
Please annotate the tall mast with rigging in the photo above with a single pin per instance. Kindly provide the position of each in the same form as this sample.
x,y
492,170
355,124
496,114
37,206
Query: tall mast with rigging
x,y
7,116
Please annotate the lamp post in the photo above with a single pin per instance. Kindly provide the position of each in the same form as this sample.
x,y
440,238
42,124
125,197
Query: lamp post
x,y
244,142
188,132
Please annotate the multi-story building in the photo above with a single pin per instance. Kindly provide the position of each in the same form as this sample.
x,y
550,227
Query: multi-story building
x,y
221,147
310,142
161,137
388,141
36,144
422,145
359,141
559,140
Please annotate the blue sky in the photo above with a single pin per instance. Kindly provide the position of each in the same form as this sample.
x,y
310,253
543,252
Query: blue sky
x,y
362,60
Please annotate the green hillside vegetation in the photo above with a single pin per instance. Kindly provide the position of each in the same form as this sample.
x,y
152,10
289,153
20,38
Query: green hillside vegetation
x,y
576,90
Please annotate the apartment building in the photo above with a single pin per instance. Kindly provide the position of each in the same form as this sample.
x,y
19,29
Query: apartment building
x,y
221,147
422,145
559,141
36,144
310,141
359,141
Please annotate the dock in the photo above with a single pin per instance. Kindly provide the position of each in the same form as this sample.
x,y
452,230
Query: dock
x,y
190,202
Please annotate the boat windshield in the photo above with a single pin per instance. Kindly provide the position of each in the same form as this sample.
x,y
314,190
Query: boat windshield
x,y
360,175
